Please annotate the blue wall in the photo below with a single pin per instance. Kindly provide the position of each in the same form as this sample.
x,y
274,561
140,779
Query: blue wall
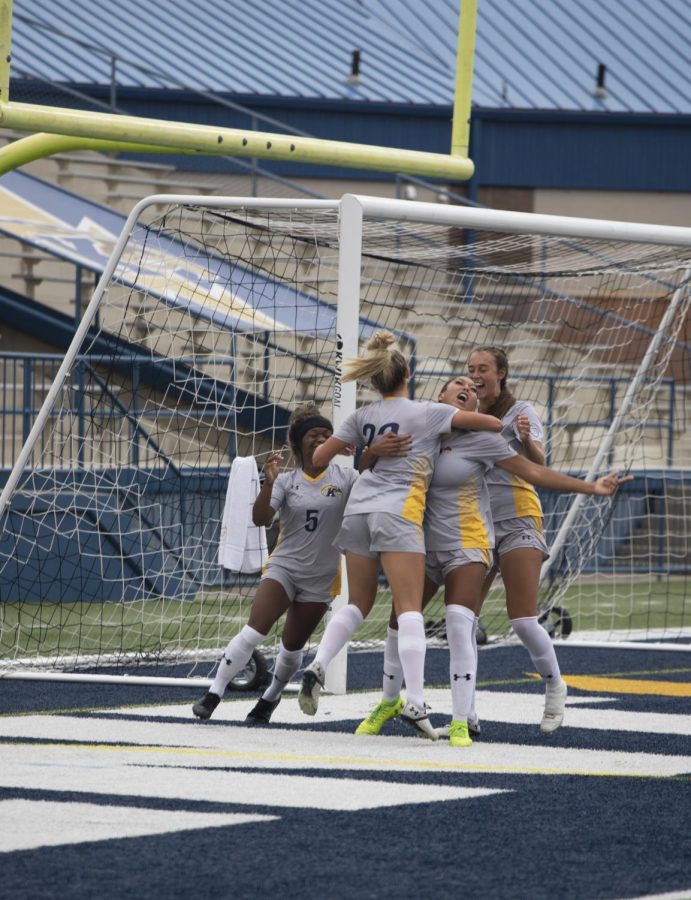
x,y
511,148
95,538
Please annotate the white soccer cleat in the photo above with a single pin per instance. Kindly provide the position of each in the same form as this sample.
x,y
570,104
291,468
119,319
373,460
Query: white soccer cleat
x,y
312,683
419,720
555,700
474,726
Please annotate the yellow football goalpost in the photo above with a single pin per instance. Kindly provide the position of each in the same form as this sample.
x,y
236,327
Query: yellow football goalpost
x,y
185,296
54,129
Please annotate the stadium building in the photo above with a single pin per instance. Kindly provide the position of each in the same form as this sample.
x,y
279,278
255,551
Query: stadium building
x,y
575,112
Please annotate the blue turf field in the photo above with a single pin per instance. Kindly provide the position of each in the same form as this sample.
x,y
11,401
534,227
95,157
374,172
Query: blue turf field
x,y
118,792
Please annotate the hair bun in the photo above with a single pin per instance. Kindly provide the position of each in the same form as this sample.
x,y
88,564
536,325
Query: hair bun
x,y
381,340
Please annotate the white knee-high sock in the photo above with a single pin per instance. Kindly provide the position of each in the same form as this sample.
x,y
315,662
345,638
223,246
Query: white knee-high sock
x,y
472,712
412,646
337,633
286,665
393,671
540,647
235,657
462,659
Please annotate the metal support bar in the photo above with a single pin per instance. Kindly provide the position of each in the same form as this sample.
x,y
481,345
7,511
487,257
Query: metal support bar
x,y
230,141
460,125
5,48
620,417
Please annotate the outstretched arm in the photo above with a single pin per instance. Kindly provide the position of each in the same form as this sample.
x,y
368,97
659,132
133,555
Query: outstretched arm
x,y
475,421
262,512
542,477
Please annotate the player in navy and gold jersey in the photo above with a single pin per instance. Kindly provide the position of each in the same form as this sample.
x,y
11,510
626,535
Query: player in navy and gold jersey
x,y
383,518
302,575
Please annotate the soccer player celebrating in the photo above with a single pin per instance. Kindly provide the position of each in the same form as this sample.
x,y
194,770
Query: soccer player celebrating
x,y
520,547
383,518
302,575
459,537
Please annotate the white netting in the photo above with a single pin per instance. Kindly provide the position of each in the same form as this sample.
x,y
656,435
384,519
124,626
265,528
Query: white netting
x,y
218,322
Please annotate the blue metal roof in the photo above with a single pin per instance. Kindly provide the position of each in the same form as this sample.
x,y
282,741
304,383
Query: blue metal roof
x,y
536,54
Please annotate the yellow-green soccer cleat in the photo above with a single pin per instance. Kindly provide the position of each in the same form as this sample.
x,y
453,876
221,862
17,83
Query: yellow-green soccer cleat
x,y
382,712
458,735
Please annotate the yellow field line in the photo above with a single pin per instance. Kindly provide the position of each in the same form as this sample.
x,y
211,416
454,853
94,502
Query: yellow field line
x,y
606,684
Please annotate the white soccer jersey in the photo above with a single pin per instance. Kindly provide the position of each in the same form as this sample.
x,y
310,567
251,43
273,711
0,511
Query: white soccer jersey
x,y
396,485
458,505
310,514
510,496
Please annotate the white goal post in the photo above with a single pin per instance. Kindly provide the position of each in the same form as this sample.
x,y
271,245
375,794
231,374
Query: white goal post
x,y
217,316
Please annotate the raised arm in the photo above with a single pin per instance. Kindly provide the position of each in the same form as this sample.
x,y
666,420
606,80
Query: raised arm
x,y
262,512
540,476
475,421
534,450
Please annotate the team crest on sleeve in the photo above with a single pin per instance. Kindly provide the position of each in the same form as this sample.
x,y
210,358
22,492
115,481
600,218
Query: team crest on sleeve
x,y
331,490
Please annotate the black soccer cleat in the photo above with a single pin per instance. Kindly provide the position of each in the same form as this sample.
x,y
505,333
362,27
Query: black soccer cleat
x,y
204,707
312,683
261,713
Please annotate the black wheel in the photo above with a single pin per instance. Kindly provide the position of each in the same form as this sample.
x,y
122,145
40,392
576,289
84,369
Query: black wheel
x,y
557,622
253,676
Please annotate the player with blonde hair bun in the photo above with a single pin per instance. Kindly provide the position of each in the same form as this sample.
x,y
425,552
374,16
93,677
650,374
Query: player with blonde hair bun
x,y
382,521
459,538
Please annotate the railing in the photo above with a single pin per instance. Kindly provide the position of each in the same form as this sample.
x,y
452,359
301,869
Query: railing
x,y
26,377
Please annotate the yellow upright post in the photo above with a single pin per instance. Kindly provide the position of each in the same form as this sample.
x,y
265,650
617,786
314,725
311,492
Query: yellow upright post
x,y
460,127
106,131
5,48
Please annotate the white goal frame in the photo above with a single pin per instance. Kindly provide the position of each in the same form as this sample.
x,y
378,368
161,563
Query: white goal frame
x,y
353,210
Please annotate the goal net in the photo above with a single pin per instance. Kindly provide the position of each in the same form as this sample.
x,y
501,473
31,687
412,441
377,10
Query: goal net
x,y
216,317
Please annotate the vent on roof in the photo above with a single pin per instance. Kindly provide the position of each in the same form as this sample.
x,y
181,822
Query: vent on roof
x,y
600,90
354,77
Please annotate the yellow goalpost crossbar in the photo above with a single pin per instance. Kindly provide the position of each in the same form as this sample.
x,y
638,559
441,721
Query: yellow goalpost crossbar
x,y
54,129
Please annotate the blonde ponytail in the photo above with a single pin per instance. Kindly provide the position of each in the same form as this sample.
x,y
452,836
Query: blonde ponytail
x,y
384,366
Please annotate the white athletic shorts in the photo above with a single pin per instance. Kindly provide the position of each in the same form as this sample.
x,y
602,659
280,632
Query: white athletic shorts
x,y
369,534
439,563
523,531
302,589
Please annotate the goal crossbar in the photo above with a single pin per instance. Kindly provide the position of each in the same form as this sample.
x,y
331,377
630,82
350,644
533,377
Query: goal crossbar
x,y
111,515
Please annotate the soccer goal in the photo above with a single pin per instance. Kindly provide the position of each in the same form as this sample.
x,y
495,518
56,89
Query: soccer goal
x,y
217,316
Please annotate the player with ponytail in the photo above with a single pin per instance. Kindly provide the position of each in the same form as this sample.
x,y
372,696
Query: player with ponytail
x,y
383,518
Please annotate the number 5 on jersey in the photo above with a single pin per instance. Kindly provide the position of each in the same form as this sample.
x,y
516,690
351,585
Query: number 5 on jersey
x,y
311,519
